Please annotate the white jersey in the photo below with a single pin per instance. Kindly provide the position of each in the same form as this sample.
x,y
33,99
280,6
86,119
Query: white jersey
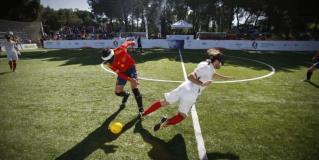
x,y
188,91
11,50
204,72
9,46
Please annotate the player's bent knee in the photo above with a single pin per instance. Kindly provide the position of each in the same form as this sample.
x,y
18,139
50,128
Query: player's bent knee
x,y
164,103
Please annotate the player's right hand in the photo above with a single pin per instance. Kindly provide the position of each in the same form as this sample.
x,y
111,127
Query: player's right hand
x,y
207,83
134,82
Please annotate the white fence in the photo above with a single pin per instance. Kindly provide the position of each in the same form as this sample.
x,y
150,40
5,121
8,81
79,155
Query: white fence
x,y
192,44
24,46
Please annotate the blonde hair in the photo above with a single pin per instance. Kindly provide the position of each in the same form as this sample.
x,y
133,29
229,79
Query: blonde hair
x,y
213,52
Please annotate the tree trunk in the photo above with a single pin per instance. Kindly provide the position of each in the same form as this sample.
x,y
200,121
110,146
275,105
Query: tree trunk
x,y
132,24
231,16
315,31
143,23
237,17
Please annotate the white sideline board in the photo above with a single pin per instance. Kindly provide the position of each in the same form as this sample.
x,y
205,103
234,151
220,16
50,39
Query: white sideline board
x,y
192,44
24,46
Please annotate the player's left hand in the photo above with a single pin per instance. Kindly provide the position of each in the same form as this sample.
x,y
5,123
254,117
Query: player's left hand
x,y
231,78
134,82
207,83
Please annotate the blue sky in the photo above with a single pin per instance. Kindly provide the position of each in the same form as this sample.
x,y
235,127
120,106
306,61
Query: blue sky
x,y
57,4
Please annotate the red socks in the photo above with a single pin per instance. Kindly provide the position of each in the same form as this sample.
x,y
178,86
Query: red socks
x,y
14,65
174,120
11,65
156,105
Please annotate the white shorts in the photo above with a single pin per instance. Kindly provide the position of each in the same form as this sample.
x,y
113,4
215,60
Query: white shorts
x,y
12,56
185,95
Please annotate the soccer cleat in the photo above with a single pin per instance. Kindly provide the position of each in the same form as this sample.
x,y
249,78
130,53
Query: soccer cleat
x,y
160,124
122,105
305,80
140,113
125,98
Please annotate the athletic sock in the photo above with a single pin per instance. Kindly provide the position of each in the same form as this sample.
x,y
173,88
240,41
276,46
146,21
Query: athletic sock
x,y
138,98
174,120
121,94
309,74
10,64
14,65
156,105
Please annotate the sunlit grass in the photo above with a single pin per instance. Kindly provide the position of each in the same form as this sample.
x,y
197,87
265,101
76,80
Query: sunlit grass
x,y
59,103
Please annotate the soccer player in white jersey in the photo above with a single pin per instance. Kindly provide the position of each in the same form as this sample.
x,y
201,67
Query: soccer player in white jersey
x,y
188,91
12,52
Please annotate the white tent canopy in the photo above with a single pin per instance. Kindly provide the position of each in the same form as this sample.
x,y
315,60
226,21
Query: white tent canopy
x,y
181,25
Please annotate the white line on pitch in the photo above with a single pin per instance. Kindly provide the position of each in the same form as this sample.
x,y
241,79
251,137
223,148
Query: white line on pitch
x,y
273,70
198,133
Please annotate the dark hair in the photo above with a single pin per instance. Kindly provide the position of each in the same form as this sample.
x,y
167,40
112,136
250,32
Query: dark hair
x,y
106,52
7,36
218,57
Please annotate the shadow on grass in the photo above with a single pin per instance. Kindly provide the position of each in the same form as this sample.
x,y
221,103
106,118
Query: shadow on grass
x,y
3,73
282,61
96,140
173,149
222,156
70,56
313,84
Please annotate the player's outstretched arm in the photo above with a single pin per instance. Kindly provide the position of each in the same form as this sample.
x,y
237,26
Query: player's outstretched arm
x,y
128,43
218,75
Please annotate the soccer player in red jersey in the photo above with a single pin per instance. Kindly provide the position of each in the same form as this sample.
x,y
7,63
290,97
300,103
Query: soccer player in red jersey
x,y
121,62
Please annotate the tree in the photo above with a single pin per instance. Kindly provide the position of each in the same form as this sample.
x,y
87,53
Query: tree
x,y
20,10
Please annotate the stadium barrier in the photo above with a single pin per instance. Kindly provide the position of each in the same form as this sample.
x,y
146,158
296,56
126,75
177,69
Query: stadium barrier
x,y
192,44
28,46
24,46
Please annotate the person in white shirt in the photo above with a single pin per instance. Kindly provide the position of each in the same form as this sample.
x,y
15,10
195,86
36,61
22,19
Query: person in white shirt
x,y
188,91
12,52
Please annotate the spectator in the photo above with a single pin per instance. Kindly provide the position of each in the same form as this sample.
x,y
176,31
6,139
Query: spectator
x,y
313,67
12,52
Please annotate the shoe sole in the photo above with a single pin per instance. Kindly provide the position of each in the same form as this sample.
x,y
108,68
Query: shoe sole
x,y
159,124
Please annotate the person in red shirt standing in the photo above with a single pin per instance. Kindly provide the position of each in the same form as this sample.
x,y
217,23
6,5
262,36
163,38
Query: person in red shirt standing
x,y
123,65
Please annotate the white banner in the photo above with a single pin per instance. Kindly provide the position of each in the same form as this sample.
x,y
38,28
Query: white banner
x,y
23,46
180,37
28,46
192,44
254,45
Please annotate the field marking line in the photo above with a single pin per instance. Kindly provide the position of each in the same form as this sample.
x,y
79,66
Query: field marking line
x,y
197,130
273,70
143,78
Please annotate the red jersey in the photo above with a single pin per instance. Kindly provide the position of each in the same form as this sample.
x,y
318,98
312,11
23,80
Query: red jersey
x,y
122,60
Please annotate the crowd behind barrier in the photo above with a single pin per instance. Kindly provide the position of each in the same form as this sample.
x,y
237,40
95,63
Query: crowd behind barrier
x,y
90,33
104,33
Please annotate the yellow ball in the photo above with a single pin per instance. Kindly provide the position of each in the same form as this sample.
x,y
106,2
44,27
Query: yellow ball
x,y
115,127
